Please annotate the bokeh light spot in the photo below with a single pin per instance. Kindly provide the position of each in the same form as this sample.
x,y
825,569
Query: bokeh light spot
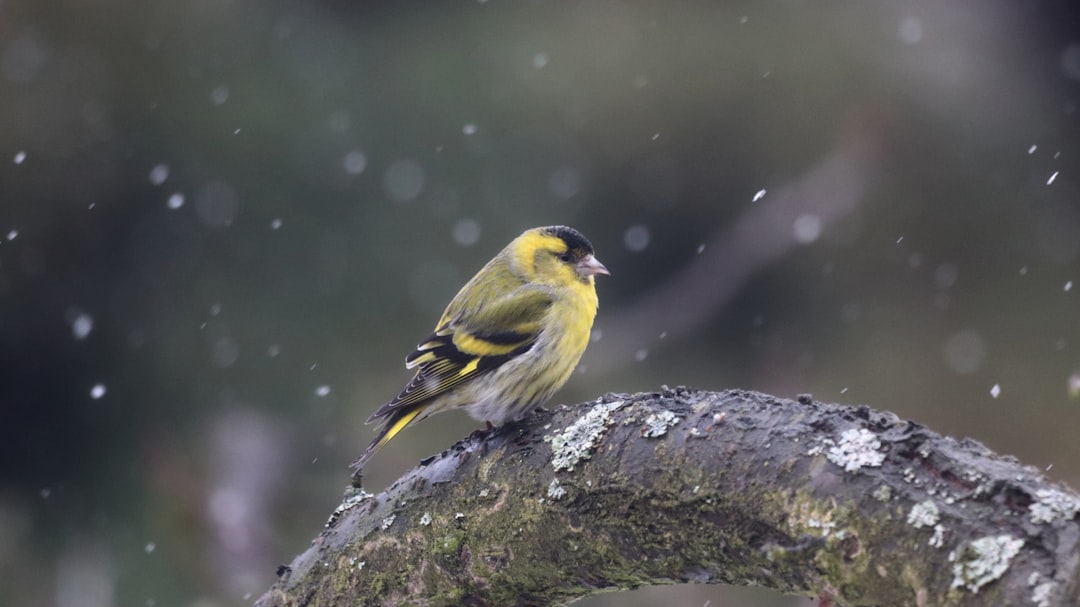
x,y
466,232
216,205
636,238
404,180
354,162
965,352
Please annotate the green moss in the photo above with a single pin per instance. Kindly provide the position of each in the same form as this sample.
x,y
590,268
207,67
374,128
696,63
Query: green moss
x,y
447,548
450,598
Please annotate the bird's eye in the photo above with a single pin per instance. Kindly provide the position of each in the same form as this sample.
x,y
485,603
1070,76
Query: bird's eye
x,y
565,258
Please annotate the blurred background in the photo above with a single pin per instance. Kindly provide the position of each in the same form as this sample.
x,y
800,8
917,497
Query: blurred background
x,y
224,223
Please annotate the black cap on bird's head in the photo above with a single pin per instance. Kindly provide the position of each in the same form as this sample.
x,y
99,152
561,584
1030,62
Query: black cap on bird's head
x,y
579,250
575,241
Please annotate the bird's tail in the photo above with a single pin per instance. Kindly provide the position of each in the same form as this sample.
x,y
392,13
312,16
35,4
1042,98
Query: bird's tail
x,y
394,423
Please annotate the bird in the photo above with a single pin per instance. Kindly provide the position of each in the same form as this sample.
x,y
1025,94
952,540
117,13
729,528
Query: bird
x,y
507,341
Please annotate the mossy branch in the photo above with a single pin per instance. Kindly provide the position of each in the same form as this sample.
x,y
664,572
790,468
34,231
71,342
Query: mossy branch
x,y
691,486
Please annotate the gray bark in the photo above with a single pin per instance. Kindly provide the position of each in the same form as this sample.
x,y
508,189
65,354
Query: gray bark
x,y
687,486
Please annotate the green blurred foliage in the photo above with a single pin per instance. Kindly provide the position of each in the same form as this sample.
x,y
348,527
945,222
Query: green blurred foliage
x,y
236,218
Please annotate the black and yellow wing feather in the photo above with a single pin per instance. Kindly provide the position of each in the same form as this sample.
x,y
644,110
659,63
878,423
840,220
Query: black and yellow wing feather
x,y
463,347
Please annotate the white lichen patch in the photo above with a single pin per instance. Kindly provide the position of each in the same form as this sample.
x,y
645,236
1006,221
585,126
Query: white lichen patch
x,y
577,441
425,519
1052,504
983,561
353,498
808,519
1042,590
923,514
386,522
820,447
938,539
658,424
555,490
883,493
826,526
857,448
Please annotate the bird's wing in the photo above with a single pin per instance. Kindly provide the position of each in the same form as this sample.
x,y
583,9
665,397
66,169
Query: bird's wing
x,y
466,346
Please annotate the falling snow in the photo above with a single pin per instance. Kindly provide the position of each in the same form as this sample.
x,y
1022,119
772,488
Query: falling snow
x,y
468,129
175,201
1052,178
97,391
20,157
159,174
322,390
995,391
758,196
81,325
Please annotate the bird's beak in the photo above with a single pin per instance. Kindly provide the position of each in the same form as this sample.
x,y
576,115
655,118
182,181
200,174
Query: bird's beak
x,y
590,266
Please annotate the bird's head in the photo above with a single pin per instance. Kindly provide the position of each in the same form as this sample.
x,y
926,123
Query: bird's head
x,y
557,255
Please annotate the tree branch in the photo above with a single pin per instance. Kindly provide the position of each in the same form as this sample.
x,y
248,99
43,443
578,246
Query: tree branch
x,y
692,486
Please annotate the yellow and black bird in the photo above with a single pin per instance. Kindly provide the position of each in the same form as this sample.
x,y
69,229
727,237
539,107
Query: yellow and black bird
x,y
508,340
